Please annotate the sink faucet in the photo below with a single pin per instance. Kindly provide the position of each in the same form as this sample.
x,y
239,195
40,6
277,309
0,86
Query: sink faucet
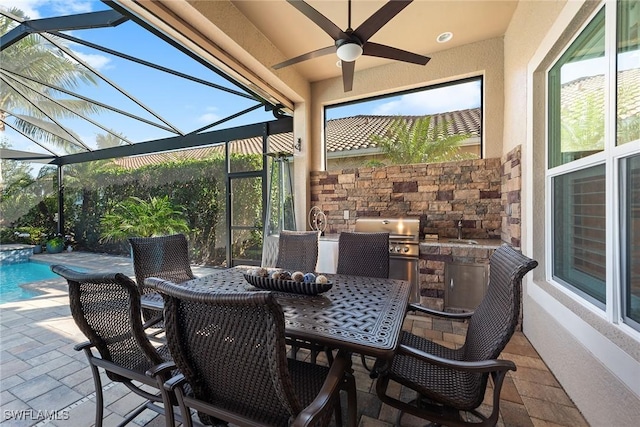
x,y
459,230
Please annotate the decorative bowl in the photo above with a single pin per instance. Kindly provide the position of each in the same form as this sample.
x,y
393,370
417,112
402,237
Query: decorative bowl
x,y
290,286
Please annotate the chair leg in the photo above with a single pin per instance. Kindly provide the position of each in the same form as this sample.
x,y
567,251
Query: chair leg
x,y
364,363
338,412
294,352
99,399
184,410
352,400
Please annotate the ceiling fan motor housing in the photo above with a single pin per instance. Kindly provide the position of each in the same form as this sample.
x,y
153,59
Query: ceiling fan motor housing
x,y
348,50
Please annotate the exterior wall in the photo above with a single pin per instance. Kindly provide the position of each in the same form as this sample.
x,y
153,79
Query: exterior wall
x,y
482,58
596,361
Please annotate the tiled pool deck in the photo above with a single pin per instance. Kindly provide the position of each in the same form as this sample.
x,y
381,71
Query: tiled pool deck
x,y
44,381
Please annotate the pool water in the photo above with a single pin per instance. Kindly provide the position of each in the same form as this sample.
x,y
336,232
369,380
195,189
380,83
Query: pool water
x,y
12,275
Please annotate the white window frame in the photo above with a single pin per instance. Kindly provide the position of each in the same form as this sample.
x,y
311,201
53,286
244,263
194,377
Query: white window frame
x,y
611,156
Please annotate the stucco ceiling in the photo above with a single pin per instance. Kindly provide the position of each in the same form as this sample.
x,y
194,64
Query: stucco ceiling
x,y
414,29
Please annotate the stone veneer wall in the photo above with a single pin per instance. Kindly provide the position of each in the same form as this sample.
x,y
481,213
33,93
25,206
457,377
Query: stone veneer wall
x,y
440,194
511,185
484,194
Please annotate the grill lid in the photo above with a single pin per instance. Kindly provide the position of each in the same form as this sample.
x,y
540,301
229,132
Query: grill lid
x,y
398,228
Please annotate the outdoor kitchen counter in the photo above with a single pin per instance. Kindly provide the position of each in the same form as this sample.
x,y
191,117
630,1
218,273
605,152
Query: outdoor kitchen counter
x,y
466,243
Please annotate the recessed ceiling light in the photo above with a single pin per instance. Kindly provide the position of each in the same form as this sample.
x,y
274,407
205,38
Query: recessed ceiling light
x,y
444,37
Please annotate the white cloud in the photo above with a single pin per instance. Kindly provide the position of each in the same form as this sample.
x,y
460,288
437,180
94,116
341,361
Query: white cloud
x,y
97,61
36,9
29,7
210,116
449,98
71,7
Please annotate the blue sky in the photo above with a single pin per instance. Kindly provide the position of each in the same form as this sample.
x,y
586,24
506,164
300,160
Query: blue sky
x,y
185,104
189,105
428,101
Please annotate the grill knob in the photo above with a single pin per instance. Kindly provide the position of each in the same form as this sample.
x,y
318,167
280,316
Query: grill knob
x,y
398,249
405,249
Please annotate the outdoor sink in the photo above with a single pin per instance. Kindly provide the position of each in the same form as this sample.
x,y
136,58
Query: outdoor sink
x,y
462,241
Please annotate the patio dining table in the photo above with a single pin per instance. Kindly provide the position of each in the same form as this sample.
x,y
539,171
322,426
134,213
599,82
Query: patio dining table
x,y
358,314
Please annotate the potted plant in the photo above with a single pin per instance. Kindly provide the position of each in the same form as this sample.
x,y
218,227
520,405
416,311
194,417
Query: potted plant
x,y
55,245
34,236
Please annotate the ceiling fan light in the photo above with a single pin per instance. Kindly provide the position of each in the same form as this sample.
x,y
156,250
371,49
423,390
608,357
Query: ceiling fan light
x,y
349,52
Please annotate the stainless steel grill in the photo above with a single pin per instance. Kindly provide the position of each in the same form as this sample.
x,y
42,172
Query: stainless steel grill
x,y
404,247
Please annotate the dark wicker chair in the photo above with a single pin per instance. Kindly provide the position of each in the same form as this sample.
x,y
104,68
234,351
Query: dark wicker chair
x,y
298,251
166,257
230,349
363,254
106,308
449,381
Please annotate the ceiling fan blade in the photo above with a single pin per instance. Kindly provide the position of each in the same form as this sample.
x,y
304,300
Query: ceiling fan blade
x,y
347,75
383,51
319,19
376,21
309,55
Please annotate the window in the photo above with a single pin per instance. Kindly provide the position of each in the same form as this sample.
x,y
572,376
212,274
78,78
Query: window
x,y
367,132
594,161
579,225
630,177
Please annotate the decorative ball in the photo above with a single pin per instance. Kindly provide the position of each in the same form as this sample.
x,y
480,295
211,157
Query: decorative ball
x,y
309,278
321,279
276,275
262,272
285,275
297,276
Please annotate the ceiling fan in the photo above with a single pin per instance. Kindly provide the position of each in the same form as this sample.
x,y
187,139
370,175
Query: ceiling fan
x,y
351,44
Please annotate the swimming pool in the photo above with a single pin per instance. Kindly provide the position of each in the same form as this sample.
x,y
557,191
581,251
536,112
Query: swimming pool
x,y
12,275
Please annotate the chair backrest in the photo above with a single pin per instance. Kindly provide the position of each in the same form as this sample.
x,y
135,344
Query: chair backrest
x,y
495,319
106,308
166,257
298,250
363,254
231,349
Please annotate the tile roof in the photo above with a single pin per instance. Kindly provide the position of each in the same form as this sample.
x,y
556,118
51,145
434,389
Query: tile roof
x,y
593,86
347,134
354,133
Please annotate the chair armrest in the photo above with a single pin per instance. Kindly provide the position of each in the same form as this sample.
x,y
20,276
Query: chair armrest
x,y
431,312
332,384
176,381
482,366
83,346
162,368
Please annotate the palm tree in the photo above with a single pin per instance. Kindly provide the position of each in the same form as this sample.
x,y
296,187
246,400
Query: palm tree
x,y
34,57
420,142
135,217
